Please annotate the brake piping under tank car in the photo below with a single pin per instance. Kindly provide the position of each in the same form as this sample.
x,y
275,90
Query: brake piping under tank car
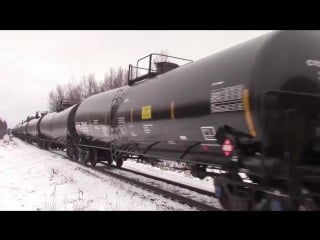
x,y
247,116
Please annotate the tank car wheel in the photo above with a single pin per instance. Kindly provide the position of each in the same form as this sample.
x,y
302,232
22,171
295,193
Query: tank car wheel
x,y
93,162
72,151
309,203
75,155
108,158
93,157
202,175
153,161
45,145
82,156
222,192
109,161
198,171
119,163
69,151
222,197
224,202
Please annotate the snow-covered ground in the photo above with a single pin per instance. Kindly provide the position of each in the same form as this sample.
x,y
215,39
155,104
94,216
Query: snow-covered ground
x,y
177,176
34,179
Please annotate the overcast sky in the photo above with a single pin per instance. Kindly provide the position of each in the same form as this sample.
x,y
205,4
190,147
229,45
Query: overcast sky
x,y
33,62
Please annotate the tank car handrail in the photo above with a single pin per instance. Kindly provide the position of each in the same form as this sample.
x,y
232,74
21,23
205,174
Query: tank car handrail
x,y
139,67
164,55
158,54
186,151
151,72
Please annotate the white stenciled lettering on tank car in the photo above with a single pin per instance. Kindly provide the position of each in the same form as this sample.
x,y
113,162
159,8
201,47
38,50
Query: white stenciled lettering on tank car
x,y
105,131
227,99
217,83
147,128
121,120
315,63
82,127
95,124
209,133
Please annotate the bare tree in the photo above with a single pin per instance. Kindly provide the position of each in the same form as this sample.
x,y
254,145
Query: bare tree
x,y
3,128
120,78
92,85
84,87
161,58
55,96
114,79
73,92
52,100
60,92
87,87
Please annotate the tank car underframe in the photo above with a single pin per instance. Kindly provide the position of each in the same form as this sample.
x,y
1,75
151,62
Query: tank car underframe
x,y
117,152
86,151
45,143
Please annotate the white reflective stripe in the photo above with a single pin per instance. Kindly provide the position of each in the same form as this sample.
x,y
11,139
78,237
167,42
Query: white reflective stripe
x,y
227,148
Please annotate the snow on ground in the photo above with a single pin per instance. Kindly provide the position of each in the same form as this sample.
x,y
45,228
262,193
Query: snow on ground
x,y
34,179
182,177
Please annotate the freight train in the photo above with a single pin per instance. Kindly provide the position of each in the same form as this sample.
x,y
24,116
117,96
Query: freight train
x,y
247,116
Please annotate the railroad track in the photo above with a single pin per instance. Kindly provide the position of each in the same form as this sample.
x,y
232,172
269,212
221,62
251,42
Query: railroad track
x,y
185,194
194,189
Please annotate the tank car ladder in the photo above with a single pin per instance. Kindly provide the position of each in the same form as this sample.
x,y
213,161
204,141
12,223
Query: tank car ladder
x,y
116,100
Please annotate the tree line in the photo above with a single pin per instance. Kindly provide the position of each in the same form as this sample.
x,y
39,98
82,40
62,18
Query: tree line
x,y
3,128
75,92
87,86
